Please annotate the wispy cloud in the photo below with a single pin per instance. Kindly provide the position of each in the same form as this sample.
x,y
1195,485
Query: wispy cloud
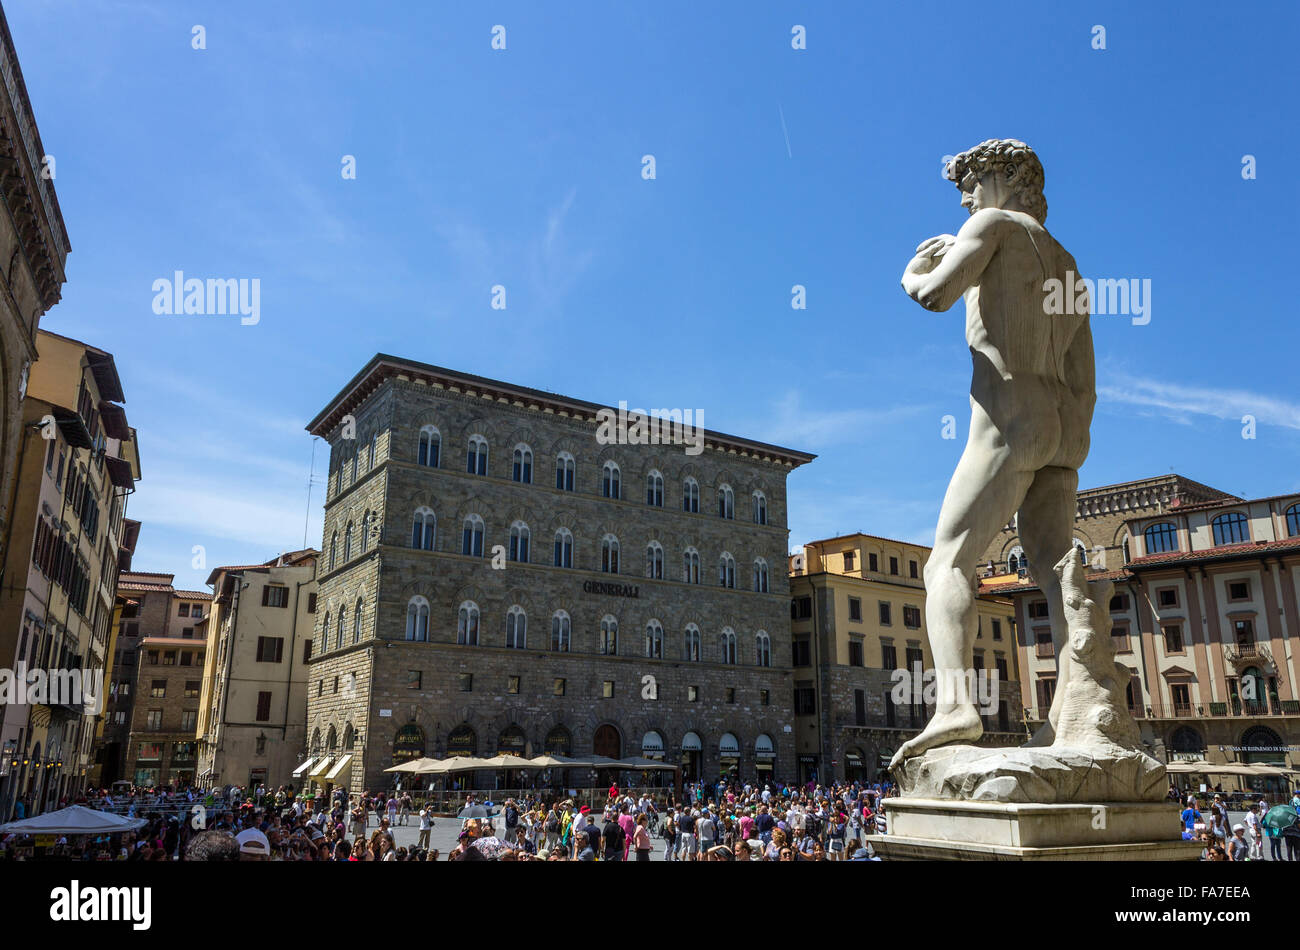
x,y
1178,402
555,266
793,423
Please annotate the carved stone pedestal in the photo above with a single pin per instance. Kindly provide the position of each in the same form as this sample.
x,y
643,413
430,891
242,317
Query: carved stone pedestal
x,y
923,829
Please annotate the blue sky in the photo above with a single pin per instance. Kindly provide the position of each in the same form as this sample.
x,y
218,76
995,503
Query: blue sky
x,y
522,167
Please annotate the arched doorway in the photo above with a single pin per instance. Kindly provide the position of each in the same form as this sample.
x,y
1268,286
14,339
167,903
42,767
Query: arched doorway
x,y
462,741
652,747
512,741
764,758
1260,745
1186,745
606,741
729,757
558,742
692,757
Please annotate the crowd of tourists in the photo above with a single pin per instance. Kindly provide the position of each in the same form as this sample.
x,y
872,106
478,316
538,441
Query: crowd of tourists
x,y
723,821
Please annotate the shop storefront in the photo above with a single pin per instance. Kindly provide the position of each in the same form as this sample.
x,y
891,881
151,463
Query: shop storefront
x,y
692,757
729,757
764,758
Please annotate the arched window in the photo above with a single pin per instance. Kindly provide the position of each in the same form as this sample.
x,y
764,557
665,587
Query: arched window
x,y
728,644
760,508
334,550
654,640
358,612
609,636
519,539
760,575
1293,521
609,554
691,496
471,540
347,543
374,450
726,502
727,570
611,481
1187,741
430,450
563,548
691,566
654,489
691,644
423,529
1125,548
354,467
522,470
1161,538
1231,528
325,634
561,628
338,630
467,624
516,628
365,531
654,561
763,649
417,619
476,457
1083,551
1016,560
564,471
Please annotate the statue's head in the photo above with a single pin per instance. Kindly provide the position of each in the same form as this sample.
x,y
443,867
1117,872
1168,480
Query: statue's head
x,y
1000,173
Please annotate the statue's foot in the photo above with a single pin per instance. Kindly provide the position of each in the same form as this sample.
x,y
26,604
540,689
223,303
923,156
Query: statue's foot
x,y
1043,737
958,725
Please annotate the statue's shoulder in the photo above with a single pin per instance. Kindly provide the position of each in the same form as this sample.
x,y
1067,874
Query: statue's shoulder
x,y
988,222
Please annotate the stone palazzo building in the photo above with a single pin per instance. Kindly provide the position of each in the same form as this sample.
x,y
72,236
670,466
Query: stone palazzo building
x,y
496,578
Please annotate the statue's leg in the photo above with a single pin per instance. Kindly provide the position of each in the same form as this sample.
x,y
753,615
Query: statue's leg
x,y
985,491
1046,527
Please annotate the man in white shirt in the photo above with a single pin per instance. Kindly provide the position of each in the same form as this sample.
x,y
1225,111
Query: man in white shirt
x,y
1255,834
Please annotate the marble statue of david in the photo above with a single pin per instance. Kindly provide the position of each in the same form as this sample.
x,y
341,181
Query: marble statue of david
x,y
1032,396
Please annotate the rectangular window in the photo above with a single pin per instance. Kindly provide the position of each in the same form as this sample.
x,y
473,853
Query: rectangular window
x,y
152,657
915,657
1182,699
306,649
158,689
730,694
873,563
1038,610
311,603
264,706
801,608
1119,637
153,720
184,611
1173,638
692,694
189,720
1043,642
849,560
607,689
886,614
275,596
169,658
270,649
997,629
1001,664
1239,590
1168,597
557,688
860,706
763,697
801,651
978,659
1046,689
805,701
467,682
191,689
888,657
911,569
855,653
512,684
413,679
893,565
855,609
1119,602
912,617
187,633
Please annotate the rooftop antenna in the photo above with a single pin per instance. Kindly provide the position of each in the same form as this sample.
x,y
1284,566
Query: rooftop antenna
x,y
311,481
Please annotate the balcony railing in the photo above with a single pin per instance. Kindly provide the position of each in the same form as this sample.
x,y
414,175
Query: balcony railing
x,y
1247,652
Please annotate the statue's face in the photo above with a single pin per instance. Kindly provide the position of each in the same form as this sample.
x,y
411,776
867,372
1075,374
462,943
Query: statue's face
x,y
990,190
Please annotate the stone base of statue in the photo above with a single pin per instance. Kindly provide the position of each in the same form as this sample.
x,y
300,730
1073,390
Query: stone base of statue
x,y
1046,775
943,830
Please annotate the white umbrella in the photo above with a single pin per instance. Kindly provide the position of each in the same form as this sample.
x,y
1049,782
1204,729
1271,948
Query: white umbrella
x,y
73,820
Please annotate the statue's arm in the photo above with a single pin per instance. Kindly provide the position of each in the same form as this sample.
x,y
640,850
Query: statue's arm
x,y
937,286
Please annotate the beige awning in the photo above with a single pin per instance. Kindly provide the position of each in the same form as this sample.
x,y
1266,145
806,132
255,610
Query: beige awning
x,y
303,769
507,761
414,765
339,766
322,765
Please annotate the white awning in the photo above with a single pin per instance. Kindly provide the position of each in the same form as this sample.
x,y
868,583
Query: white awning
x,y
303,769
322,764
339,766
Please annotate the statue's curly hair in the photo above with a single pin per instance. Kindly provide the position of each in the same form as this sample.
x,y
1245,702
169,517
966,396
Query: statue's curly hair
x,y
996,153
